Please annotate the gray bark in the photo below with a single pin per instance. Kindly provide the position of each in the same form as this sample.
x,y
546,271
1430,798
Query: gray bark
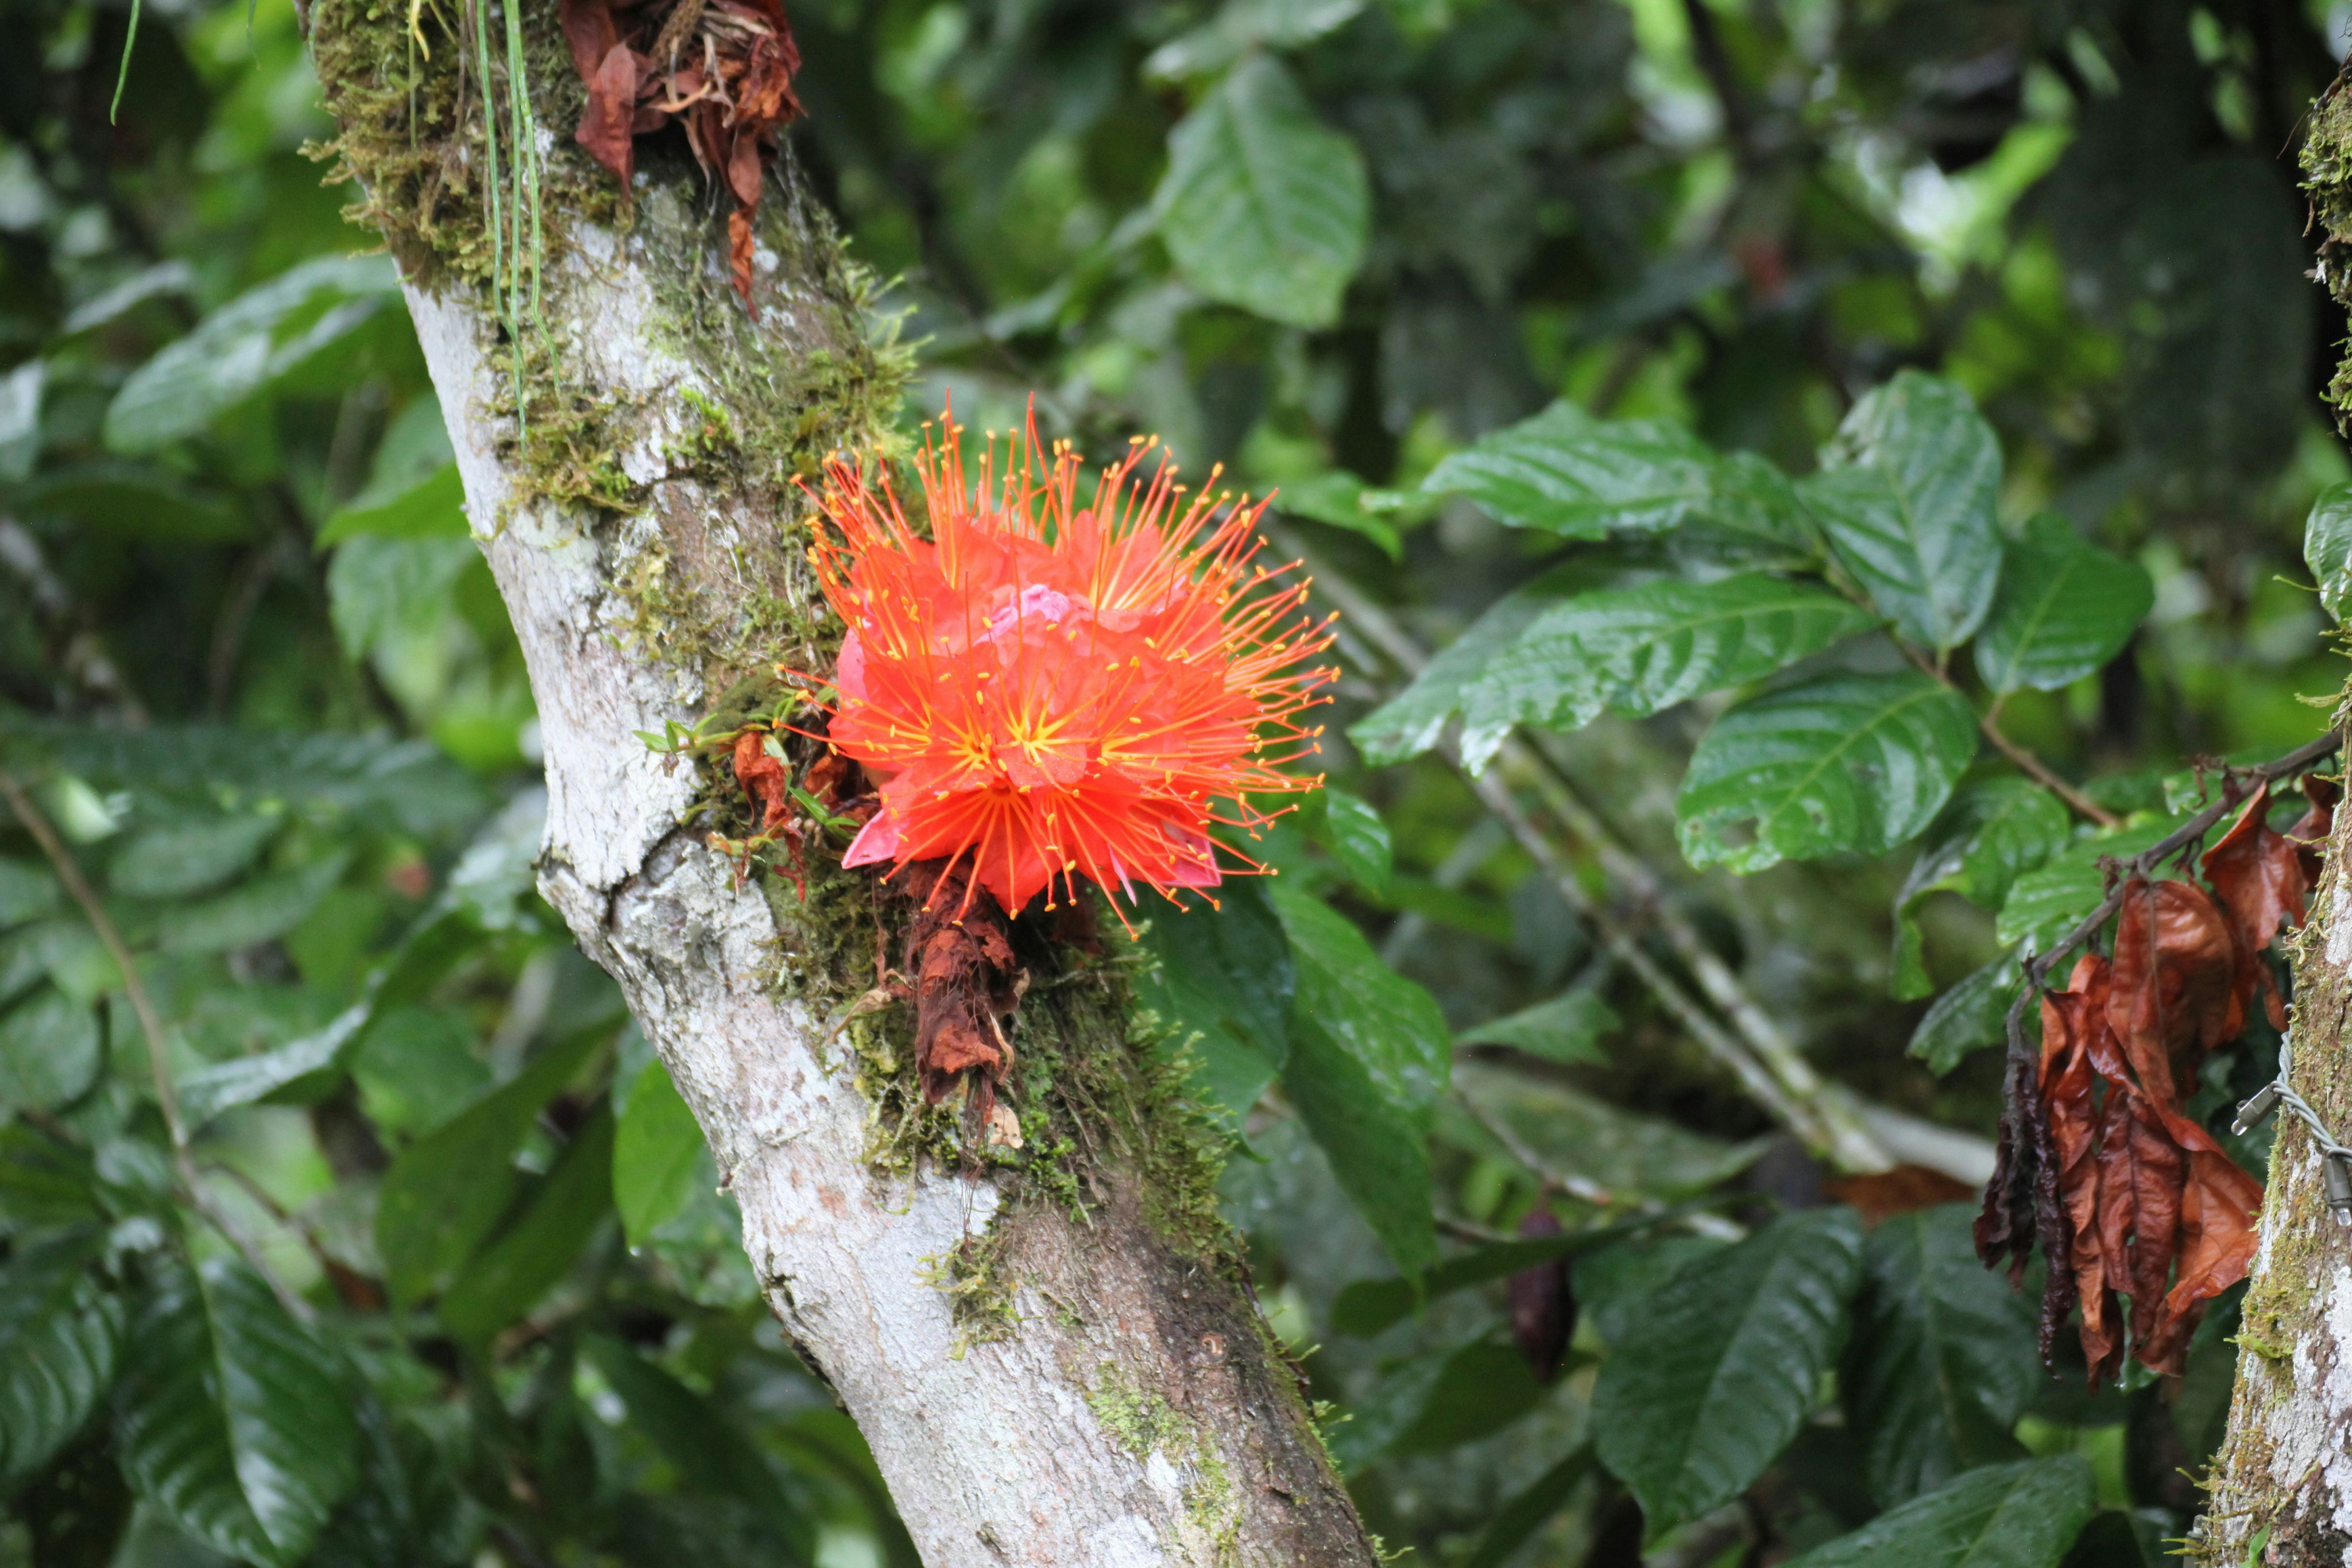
x,y
1137,1413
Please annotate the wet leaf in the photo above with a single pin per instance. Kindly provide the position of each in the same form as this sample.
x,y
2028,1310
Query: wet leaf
x,y
2064,608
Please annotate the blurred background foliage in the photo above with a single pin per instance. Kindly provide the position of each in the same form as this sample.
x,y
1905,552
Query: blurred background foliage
x,y
258,677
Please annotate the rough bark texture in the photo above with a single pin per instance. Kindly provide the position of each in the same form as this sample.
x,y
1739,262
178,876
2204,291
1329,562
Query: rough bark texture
x,y
1135,1411
2283,1481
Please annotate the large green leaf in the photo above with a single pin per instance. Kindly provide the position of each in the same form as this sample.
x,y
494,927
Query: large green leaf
x,y
1566,1030
232,1419
522,1263
1993,832
1634,651
1438,1400
177,856
2064,608
1263,205
404,784
1220,979
51,1052
1942,1362
1414,720
262,334
379,587
445,1191
1842,762
1567,473
1351,829
2021,1515
431,507
657,1155
1906,495
1715,1378
2327,547
2045,902
1591,1138
59,1333
266,906
1368,1056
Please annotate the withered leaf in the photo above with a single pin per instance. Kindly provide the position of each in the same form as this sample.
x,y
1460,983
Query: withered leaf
x,y
2311,829
1881,1194
2218,1206
2173,990
765,779
2141,1170
2262,885
2072,1020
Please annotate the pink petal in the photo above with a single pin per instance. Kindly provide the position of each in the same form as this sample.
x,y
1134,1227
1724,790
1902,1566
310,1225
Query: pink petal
x,y
877,841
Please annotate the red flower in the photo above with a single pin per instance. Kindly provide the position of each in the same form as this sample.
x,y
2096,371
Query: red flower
x,y
1044,689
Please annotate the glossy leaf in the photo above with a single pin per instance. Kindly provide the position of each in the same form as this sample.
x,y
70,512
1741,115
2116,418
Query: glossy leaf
x,y
657,1155
2327,547
1369,1052
1906,497
232,1419
1263,205
262,334
1709,1384
2064,608
1969,1016
1564,471
1222,981
2021,1515
179,856
1993,832
2045,902
59,1334
1438,1400
1637,650
1349,827
1840,763
431,507
1942,1362
1414,720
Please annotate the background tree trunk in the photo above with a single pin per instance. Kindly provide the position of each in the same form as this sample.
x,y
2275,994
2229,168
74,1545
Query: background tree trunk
x,y
1038,1385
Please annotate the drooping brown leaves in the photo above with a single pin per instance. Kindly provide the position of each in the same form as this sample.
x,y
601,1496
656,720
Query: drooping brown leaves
x,y
723,68
968,981
2129,1197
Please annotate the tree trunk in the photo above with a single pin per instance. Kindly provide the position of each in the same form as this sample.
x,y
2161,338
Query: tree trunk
x,y
1055,1362
2282,1481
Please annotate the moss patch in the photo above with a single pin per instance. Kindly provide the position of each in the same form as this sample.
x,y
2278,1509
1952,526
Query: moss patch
x,y
1143,1424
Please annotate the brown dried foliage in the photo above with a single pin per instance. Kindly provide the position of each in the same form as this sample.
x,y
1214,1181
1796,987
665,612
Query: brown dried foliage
x,y
2128,1196
723,69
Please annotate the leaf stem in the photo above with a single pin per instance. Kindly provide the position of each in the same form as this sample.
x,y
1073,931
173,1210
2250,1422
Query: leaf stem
x,y
2042,773
150,1024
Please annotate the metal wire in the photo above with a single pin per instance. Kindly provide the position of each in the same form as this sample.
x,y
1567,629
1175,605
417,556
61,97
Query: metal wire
x,y
2336,1157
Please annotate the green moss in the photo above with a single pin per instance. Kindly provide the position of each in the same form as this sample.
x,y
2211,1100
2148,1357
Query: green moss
x,y
979,1284
2327,159
1142,1424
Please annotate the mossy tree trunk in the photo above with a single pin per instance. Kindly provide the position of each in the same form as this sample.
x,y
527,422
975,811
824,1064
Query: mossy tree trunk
x,y
2281,1492
1055,1361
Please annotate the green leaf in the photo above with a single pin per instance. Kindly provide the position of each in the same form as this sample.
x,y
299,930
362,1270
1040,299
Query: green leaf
x,y
432,509
1707,1386
20,419
523,1262
232,1420
1366,1307
711,1456
134,501
1855,763
1340,500
1349,827
2064,608
1263,205
59,1334
1970,1016
1907,495
378,588
1591,1138
1438,1400
2328,545
1993,832
1566,472
265,907
2023,1515
1414,720
2045,902
657,1155
1942,1362
182,855
444,1191
51,1052
415,1067
1566,1030
1368,1056
1528,1510
1637,650
27,891
402,784
262,334
1220,979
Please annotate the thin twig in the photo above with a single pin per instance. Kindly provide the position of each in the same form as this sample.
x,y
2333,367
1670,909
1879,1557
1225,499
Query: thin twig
x,y
150,1023
2037,966
2042,774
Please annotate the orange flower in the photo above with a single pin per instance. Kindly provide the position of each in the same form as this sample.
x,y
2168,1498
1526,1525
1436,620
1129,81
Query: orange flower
x,y
1056,690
